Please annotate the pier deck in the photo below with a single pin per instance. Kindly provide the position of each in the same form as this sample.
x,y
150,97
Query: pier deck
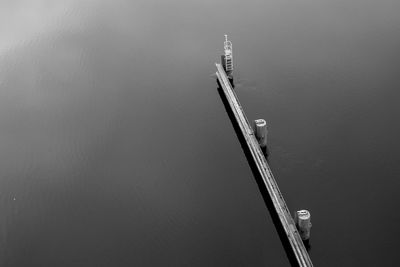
x,y
282,210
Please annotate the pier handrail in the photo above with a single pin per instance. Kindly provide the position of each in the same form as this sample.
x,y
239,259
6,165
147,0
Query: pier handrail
x,y
227,46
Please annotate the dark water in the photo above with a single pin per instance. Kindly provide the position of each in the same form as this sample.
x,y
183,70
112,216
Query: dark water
x,y
116,149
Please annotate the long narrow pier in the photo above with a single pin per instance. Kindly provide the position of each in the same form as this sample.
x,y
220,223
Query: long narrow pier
x,y
282,210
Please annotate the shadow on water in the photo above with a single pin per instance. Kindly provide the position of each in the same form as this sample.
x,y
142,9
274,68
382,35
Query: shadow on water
x,y
275,218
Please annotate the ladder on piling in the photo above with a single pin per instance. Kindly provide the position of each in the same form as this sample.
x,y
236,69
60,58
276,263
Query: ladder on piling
x,y
228,56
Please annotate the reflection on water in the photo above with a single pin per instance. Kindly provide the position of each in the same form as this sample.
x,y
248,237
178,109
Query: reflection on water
x,y
117,150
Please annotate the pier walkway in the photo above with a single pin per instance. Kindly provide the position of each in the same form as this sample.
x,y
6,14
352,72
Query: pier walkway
x,y
282,210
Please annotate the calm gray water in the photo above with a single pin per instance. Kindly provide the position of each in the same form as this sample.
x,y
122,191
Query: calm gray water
x,y
116,149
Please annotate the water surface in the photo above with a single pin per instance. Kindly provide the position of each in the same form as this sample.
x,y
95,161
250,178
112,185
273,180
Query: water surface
x,y
116,149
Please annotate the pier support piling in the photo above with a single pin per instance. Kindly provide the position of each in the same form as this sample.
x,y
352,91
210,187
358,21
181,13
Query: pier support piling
x,y
261,131
303,223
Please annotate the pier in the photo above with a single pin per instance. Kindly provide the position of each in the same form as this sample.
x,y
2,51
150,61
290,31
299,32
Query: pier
x,y
257,155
